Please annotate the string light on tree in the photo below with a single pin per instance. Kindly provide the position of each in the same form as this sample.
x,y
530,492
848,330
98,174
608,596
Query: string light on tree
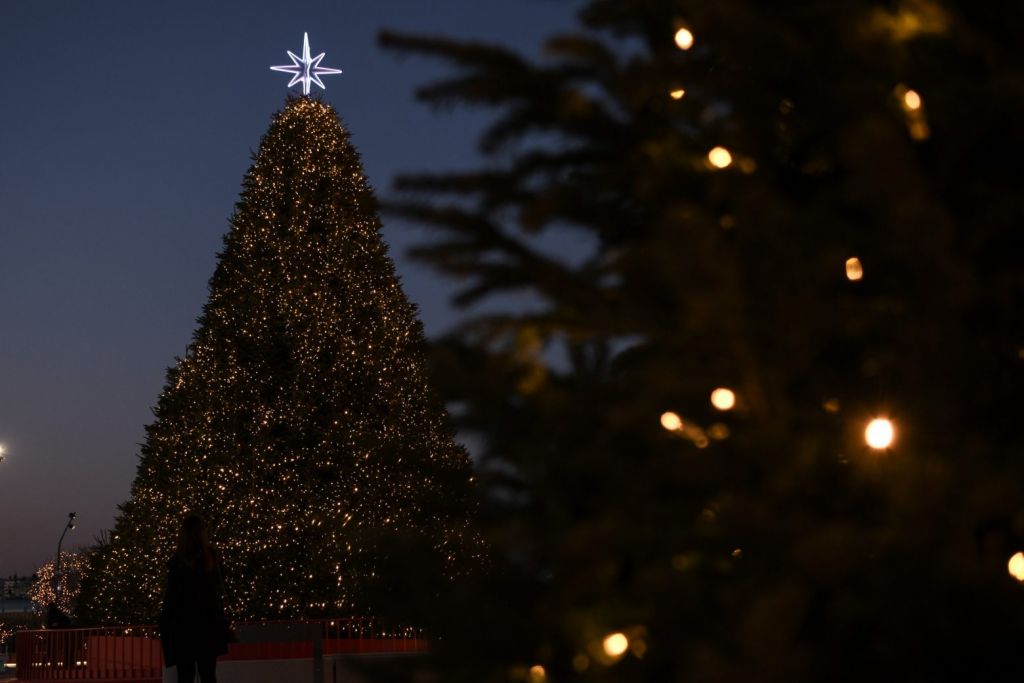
x,y
913,107
880,433
720,157
1016,566
615,644
854,269
684,38
671,421
911,100
723,399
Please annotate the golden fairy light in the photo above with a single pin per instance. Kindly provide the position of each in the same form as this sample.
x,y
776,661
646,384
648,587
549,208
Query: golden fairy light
x,y
615,644
854,269
677,94
537,674
684,39
43,591
913,107
912,100
1016,566
720,157
718,431
879,433
723,399
671,421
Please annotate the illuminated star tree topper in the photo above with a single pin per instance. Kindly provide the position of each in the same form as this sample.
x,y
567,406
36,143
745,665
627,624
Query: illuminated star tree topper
x,y
305,69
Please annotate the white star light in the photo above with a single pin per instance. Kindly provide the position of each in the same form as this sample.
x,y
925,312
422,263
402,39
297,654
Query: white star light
x,y
306,69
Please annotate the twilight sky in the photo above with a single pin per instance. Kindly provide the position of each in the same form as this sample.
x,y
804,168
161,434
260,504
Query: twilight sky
x,y
125,131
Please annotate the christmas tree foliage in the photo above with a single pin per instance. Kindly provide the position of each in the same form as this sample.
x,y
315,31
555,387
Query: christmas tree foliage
x,y
749,229
300,423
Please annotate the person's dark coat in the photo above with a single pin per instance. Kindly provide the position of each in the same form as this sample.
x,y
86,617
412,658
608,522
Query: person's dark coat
x,y
192,622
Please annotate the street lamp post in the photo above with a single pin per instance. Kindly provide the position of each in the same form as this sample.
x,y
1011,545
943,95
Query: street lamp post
x,y
57,574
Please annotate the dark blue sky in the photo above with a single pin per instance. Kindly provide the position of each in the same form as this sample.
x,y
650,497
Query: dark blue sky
x,y
125,130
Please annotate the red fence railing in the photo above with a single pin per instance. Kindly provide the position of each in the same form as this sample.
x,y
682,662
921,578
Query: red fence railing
x,y
129,653
132,653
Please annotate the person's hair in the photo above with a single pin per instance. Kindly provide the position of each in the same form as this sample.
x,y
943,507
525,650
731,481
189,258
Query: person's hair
x,y
194,549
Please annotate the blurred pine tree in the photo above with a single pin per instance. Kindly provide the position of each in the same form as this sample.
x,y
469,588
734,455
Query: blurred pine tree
x,y
815,205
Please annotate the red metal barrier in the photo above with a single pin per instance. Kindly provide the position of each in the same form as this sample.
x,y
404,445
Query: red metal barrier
x,y
132,653
129,653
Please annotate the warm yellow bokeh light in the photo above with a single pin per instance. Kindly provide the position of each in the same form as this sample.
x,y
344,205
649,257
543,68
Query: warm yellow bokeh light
x,y
723,399
854,269
720,157
1016,566
677,94
718,431
671,421
684,39
911,100
880,433
537,673
615,644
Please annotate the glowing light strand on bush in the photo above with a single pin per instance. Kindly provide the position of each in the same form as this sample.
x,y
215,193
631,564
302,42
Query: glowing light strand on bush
x,y
43,591
306,69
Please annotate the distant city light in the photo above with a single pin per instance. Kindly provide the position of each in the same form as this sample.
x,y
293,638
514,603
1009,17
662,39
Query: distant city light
x,y
854,269
684,39
720,157
723,399
880,433
615,644
1016,566
671,421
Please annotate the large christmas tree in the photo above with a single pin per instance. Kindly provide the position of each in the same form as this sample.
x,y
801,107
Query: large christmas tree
x,y
749,229
300,422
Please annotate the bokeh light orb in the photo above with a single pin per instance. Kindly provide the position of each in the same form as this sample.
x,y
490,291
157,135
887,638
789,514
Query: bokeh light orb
x,y
854,269
677,94
684,39
1016,566
720,157
723,399
880,433
671,421
615,644
912,100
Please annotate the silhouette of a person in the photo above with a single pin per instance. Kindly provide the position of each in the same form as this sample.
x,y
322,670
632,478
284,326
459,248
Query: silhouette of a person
x,y
193,626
